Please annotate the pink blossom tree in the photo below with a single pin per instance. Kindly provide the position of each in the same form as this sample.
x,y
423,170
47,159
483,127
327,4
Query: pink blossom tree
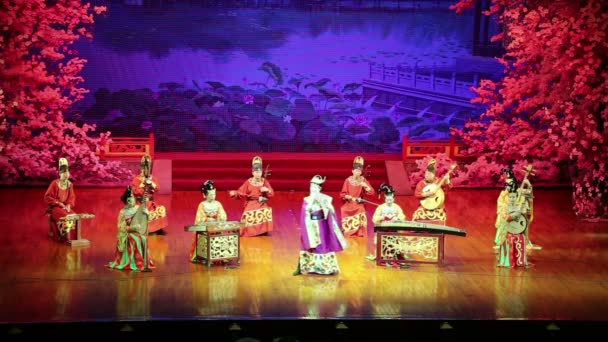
x,y
550,106
40,82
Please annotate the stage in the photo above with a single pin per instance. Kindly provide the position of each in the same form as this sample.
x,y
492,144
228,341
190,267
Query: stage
x,y
44,282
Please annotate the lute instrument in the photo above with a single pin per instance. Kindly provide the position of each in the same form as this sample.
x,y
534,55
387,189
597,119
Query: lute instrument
x,y
438,198
520,224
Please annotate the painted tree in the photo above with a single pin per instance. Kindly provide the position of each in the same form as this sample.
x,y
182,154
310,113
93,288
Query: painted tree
x,y
551,105
40,82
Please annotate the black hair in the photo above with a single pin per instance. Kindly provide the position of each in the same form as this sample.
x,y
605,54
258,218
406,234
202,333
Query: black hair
x,y
128,193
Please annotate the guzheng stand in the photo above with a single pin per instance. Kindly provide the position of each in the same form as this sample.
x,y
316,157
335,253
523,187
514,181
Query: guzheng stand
x,y
417,247
218,242
412,242
74,221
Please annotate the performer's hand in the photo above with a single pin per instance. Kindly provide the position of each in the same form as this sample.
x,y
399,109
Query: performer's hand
x,y
262,199
67,207
348,197
232,193
264,189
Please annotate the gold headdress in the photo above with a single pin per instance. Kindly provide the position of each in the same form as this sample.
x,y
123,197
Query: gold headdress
x,y
358,163
430,167
256,163
63,165
146,160
318,179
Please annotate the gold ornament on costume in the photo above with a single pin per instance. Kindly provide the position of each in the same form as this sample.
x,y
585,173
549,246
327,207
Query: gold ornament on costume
x,y
431,166
146,160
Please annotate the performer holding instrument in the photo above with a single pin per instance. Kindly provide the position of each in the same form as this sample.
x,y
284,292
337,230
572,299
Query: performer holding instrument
x,y
257,215
431,192
209,210
354,217
60,200
389,211
132,241
145,181
511,223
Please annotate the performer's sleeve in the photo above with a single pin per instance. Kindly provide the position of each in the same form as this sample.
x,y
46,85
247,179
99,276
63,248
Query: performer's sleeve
x,y
155,184
135,186
371,189
71,197
344,190
221,215
418,191
242,191
50,197
270,192
201,217
377,218
122,223
400,214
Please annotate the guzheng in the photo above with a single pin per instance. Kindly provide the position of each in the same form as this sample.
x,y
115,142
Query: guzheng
x,y
390,226
71,217
213,226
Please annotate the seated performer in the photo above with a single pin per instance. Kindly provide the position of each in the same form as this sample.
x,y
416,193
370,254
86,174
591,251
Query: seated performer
x,y
208,210
320,234
60,200
132,243
145,181
430,192
511,247
257,215
354,218
386,212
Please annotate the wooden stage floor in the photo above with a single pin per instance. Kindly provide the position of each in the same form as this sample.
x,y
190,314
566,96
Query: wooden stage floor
x,y
42,281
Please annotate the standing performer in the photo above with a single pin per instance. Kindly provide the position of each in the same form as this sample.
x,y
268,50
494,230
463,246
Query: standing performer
x,y
257,215
158,213
132,243
430,191
510,240
354,218
208,210
320,234
525,194
60,200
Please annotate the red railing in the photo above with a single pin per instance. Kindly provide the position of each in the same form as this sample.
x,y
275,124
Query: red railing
x,y
128,147
420,148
